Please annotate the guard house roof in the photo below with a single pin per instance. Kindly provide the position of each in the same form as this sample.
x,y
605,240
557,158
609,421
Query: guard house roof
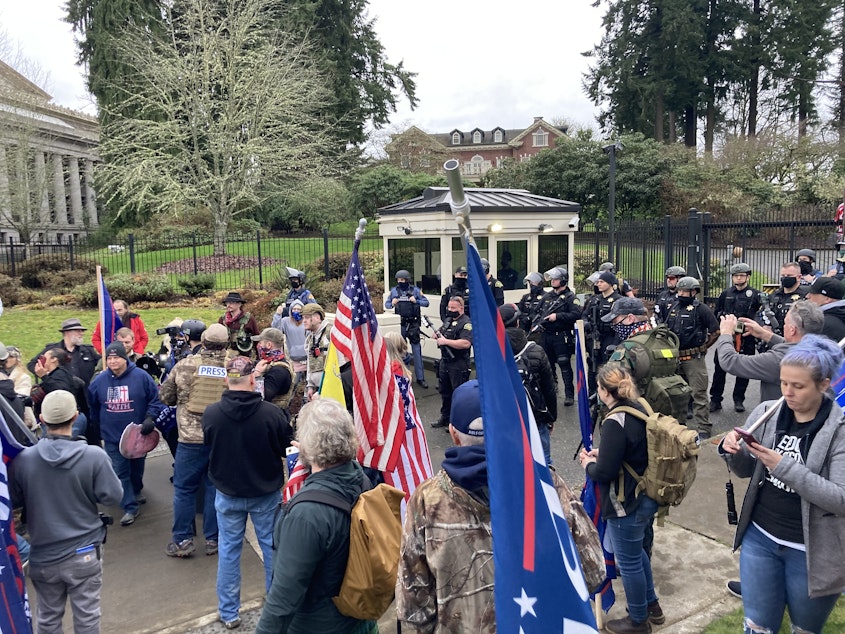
x,y
482,199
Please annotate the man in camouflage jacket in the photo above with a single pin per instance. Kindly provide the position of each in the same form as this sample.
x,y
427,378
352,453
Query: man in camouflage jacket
x,y
445,580
194,383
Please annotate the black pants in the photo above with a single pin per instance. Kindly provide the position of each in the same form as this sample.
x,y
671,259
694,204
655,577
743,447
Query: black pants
x,y
717,387
560,352
451,375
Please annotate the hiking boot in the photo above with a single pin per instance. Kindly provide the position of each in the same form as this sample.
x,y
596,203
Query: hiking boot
x,y
738,406
231,625
140,499
210,547
715,406
735,588
422,383
655,613
440,423
185,548
568,401
129,518
627,626
704,434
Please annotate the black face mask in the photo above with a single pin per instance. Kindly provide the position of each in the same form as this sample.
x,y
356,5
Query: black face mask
x,y
459,283
536,290
685,301
294,283
806,267
404,286
452,314
789,281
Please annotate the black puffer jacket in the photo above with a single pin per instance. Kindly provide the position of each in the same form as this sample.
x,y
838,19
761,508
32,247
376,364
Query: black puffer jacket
x,y
538,365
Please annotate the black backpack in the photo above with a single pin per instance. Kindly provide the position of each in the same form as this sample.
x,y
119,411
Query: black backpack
x,y
531,383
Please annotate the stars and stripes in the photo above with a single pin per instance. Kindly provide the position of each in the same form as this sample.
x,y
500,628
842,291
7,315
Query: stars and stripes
x,y
377,400
297,474
539,583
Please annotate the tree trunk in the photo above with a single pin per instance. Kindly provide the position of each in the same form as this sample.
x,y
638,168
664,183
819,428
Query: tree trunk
x,y
658,117
689,125
221,227
709,119
803,107
673,131
841,113
754,81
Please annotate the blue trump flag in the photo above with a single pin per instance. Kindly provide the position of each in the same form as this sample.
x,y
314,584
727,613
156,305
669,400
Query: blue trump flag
x,y
109,321
539,583
590,494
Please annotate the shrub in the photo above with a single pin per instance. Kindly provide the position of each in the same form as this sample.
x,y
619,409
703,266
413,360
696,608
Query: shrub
x,y
197,285
371,261
12,293
328,292
129,288
44,271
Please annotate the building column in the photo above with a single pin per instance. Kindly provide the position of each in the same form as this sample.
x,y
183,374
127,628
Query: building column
x,y
5,192
41,190
75,191
59,201
90,199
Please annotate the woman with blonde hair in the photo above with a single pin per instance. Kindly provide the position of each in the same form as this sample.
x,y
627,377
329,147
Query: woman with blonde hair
x,y
623,440
397,350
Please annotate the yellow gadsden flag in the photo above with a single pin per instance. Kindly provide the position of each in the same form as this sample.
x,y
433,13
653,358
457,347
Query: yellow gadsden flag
x,y
332,386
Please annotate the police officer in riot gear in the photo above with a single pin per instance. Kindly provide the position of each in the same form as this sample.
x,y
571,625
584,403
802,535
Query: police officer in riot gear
x,y
790,291
624,289
406,300
806,259
297,291
666,297
496,287
459,287
602,336
559,310
454,338
743,301
529,306
697,329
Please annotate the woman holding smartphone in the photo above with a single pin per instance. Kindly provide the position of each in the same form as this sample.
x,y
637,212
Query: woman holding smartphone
x,y
792,525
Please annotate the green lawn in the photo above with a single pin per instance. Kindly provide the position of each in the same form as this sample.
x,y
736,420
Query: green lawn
x,y
733,622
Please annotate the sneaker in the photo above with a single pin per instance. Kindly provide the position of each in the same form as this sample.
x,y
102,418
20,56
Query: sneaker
x,y
140,499
231,625
210,547
735,588
422,384
440,423
568,401
655,613
738,406
704,434
129,518
185,548
715,406
627,626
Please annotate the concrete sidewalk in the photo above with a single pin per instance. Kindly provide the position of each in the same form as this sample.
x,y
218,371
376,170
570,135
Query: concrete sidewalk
x,y
146,591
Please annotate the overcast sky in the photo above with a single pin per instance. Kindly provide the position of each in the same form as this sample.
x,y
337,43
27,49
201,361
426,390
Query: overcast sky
x,y
483,64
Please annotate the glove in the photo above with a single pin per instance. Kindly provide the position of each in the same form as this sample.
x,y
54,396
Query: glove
x,y
147,426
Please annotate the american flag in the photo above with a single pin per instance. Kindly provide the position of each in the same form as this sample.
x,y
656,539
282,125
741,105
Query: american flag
x,y
590,494
539,583
377,400
15,615
298,472
414,464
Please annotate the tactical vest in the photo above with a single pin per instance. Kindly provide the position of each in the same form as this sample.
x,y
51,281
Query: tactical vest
x,y
239,339
405,308
740,303
451,329
207,386
684,322
317,349
283,400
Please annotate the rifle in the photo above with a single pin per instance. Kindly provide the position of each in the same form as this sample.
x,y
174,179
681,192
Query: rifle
x,y
445,351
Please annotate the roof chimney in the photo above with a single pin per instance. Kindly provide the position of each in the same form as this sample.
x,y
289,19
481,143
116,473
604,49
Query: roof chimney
x,y
536,119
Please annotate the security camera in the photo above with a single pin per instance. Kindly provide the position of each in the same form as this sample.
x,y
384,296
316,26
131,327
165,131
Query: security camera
x,y
573,224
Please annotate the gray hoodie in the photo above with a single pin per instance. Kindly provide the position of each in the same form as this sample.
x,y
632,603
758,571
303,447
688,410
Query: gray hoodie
x,y
59,482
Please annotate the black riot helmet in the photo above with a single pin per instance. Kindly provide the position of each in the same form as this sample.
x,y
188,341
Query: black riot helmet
x,y
193,329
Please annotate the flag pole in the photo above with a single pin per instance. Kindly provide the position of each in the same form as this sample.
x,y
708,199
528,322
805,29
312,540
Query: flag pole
x,y
100,308
458,201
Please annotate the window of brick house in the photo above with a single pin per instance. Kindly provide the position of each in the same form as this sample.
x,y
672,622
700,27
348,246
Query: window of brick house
x,y
541,138
476,137
497,136
456,138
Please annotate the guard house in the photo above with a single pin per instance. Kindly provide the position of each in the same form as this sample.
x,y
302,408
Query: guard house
x,y
518,232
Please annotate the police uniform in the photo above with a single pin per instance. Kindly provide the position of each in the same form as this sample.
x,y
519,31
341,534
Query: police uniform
x,y
453,368
781,301
663,303
498,290
558,335
742,303
529,308
693,324
410,315
606,335
316,347
456,288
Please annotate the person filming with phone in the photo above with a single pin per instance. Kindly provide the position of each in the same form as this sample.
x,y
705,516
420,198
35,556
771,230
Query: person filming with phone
x,y
794,509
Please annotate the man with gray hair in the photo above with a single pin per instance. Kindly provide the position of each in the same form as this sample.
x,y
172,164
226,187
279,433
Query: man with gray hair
x,y
247,438
801,319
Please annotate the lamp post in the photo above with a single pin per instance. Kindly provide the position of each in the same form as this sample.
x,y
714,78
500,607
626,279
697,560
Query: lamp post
x,y
612,149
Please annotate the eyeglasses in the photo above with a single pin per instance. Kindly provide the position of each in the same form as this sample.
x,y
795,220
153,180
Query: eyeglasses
x,y
671,277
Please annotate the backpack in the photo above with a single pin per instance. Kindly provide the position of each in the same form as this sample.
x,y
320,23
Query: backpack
x,y
672,459
375,534
531,383
652,358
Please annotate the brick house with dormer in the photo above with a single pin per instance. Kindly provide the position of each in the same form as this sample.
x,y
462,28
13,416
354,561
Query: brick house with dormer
x,y
477,150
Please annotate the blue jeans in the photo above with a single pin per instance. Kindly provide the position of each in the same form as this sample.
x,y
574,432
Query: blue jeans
x,y
774,577
231,520
80,425
131,476
546,441
626,536
190,468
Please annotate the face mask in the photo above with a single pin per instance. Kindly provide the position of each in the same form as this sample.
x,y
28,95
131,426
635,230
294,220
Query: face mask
x,y
268,354
685,301
460,283
624,330
404,286
789,281
452,314
536,290
806,267
296,316
294,283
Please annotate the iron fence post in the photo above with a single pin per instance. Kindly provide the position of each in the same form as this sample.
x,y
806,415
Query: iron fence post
x,y
132,253
694,243
705,250
70,252
260,273
326,252
12,256
194,249
668,243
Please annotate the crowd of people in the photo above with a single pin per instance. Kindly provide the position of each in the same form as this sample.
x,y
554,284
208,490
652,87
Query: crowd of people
x,y
227,400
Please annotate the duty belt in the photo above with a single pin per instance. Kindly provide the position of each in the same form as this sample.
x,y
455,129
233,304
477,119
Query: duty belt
x,y
691,353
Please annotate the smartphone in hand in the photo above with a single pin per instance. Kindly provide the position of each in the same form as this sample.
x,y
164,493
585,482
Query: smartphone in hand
x,y
42,359
745,436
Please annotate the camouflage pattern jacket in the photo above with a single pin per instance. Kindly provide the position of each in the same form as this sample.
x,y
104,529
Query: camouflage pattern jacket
x,y
445,580
177,389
